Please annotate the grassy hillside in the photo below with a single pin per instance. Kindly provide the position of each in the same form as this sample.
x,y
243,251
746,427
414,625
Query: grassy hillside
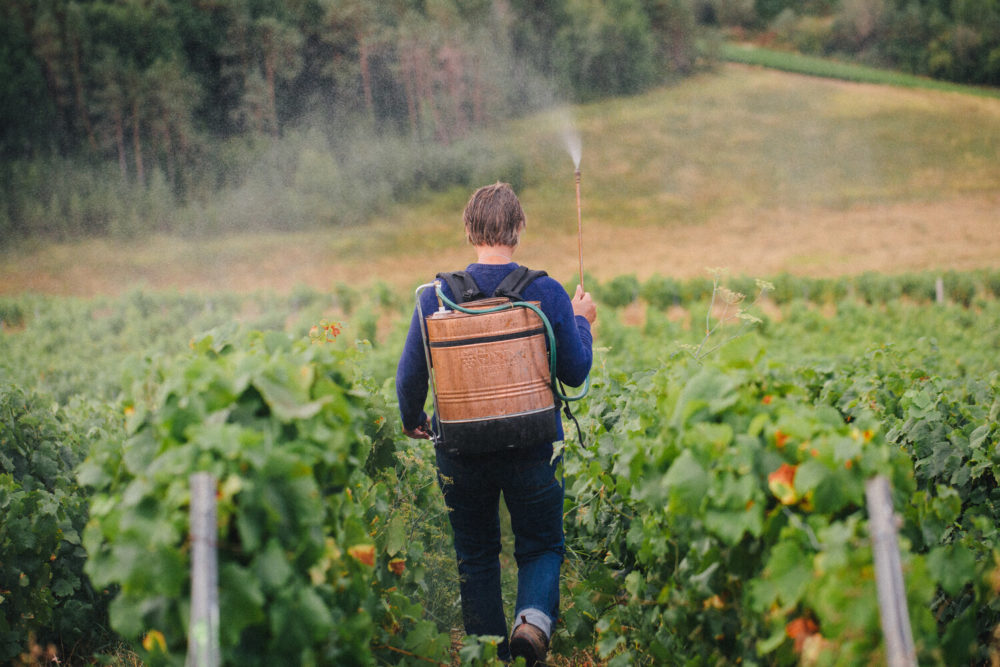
x,y
753,169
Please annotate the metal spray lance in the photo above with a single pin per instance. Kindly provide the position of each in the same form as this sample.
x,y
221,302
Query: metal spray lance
x,y
579,225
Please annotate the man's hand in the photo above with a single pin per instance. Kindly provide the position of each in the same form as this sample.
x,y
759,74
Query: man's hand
x,y
422,432
584,305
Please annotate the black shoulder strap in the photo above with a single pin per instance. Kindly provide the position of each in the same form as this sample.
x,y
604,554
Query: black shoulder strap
x,y
463,287
516,281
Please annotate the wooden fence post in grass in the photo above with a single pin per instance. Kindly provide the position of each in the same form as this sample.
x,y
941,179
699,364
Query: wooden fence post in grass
x,y
203,632
939,290
882,523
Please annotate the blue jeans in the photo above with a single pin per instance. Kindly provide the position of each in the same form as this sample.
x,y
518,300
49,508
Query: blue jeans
x,y
534,498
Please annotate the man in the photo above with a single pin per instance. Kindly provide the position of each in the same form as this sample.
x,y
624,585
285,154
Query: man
x,y
525,475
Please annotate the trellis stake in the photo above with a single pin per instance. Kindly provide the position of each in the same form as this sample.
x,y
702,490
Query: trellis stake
x,y
203,632
883,525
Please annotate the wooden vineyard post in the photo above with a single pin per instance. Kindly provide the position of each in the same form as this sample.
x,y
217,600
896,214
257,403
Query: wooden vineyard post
x,y
203,632
889,575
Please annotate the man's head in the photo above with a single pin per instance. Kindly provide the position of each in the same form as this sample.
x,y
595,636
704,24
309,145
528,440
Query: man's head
x,y
494,216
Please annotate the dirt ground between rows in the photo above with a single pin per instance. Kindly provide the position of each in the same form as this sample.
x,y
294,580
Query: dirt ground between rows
x,y
960,234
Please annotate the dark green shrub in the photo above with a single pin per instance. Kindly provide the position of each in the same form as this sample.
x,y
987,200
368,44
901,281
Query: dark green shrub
x,y
346,297
745,285
11,314
303,296
316,564
384,295
918,286
364,324
696,289
788,288
43,590
831,290
959,287
991,282
619,291
768,9
661,292
873,287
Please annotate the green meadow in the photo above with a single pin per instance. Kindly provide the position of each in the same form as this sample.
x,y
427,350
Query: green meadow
x,y
676,172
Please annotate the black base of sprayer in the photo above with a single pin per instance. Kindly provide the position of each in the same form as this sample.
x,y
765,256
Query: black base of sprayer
x,y
487,436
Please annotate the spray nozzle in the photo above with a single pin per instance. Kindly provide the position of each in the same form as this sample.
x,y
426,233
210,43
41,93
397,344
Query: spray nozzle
x,y
437,292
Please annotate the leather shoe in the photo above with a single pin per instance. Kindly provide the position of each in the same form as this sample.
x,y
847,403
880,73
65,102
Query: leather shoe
x,y
529,642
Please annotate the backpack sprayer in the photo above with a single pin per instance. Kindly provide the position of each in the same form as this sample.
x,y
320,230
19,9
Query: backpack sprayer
x,y
491,364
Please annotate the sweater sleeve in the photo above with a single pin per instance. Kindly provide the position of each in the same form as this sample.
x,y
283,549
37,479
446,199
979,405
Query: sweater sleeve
x,y
574,340
411,377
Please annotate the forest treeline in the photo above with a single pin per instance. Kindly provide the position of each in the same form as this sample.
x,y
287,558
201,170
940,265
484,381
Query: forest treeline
x,y
130,116
953,40
127,116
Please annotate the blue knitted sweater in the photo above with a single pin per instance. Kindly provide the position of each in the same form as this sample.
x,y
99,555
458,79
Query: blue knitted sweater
x,y
572,334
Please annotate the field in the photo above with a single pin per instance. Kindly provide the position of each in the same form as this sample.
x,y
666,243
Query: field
x,y
714,504
755,170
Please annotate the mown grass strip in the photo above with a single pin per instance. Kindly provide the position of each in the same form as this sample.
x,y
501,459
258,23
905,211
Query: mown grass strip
x,y
833,69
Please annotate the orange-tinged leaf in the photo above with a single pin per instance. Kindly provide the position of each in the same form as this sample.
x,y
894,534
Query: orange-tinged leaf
x,y
800,629
363,553
397,566
781,482
154,640
714,602
780,438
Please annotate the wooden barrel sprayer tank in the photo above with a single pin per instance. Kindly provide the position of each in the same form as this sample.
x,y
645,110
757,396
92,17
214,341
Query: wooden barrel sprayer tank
x,y
490,374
